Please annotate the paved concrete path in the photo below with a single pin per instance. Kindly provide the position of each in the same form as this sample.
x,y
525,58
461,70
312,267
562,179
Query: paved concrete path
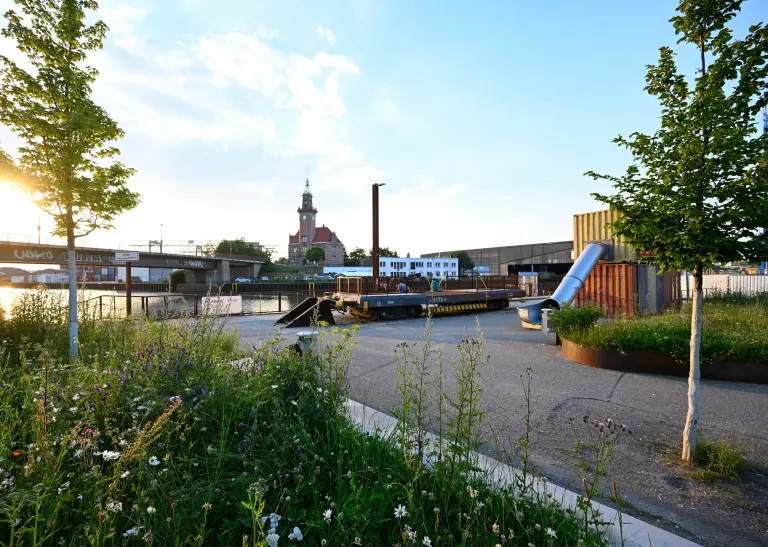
x,y
654,406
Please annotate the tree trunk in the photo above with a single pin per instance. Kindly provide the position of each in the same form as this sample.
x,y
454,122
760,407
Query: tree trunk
x,y
692,419
72,267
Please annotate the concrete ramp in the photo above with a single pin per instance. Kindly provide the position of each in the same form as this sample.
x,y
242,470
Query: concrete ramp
x,y
305,313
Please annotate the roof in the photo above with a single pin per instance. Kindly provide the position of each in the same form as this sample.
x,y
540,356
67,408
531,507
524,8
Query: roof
x,y
293,238
323,235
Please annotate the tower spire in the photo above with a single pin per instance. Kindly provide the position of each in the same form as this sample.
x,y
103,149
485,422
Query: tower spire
x,y
306,187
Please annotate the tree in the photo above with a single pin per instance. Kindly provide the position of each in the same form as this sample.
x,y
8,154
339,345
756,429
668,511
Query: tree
x,y
358,254
8,169
314,254
697,191
240,247
466,264
69,164
384,251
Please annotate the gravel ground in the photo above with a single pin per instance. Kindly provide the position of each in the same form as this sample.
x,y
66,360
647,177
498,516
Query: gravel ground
x,y
644,466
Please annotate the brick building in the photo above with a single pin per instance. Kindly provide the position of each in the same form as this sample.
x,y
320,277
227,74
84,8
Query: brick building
x,y
309,235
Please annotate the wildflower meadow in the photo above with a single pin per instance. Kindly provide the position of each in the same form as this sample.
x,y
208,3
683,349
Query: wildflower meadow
x,y
167,433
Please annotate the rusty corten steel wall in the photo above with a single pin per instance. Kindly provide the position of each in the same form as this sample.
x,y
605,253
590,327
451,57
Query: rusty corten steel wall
x,y
613,287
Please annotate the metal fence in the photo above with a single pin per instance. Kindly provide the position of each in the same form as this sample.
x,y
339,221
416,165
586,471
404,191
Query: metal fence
x,y
747,285
319,287
136,286
114,306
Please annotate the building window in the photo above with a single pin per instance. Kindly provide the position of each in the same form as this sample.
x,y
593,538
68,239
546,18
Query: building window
x,y
303,239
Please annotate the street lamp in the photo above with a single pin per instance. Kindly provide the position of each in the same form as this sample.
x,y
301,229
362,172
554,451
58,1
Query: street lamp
x,y
161,238
375,250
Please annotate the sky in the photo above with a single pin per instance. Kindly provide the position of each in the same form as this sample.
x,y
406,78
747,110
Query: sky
x,y
480,117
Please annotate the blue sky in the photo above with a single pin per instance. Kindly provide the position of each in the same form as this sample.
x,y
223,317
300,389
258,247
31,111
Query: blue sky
x,y
480,117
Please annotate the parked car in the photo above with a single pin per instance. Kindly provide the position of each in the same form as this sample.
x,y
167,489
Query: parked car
x,y
242,280
265,278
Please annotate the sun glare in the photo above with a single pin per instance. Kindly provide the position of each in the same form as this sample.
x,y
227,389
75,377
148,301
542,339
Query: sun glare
x,y
18,215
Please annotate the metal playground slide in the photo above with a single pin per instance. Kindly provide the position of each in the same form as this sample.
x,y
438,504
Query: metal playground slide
x,y
530,314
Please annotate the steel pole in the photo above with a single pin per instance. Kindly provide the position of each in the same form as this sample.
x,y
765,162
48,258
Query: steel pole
x,y
128,289
375,250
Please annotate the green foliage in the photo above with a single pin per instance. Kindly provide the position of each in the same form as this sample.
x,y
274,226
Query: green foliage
x,y
735,331
384,251
242,248
719,457
314,254
569,318
466,264
166,433
69,165
358,254
176,278
270,267
697,190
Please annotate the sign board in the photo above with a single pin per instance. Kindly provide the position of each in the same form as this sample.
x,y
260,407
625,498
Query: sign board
x,y
223,305
127,256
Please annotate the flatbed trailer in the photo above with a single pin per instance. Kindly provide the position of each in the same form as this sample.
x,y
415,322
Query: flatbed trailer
x,y
381,306
359,297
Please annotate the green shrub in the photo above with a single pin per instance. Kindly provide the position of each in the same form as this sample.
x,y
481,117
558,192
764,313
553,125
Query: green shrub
x,y
719,457
161,433
569,318
733,330
175,279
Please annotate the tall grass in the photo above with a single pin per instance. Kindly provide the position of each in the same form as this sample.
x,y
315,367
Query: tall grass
x,y
164,433
734,328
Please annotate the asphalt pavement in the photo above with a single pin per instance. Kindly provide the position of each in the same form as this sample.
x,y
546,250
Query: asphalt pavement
x,y
653,406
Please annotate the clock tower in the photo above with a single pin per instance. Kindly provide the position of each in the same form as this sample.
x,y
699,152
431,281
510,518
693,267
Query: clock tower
x,y
306,219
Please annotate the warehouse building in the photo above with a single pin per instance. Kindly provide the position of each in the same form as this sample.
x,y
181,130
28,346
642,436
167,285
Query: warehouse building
x,y
555,257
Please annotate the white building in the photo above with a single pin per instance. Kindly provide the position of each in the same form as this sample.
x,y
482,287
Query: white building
x,y
438,267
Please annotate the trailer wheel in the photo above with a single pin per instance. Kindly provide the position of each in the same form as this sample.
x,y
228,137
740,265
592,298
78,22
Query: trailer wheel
x,y
414,311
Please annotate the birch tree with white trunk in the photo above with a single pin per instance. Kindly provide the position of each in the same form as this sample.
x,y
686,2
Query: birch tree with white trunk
x,y
696,193
68,162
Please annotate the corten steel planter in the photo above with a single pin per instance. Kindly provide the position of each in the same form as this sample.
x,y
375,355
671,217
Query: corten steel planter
x,y
650,362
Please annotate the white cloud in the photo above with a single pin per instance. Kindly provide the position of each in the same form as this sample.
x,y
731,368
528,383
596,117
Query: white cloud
x,y
337,62
266,33
122,21
389,105
326,34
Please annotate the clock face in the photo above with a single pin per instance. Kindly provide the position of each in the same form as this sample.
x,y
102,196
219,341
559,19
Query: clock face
x,y
304,217
313,217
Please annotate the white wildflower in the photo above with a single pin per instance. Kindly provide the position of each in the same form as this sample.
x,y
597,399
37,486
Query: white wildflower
x,y
327,515
400,512
296,534
151,510
153,461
